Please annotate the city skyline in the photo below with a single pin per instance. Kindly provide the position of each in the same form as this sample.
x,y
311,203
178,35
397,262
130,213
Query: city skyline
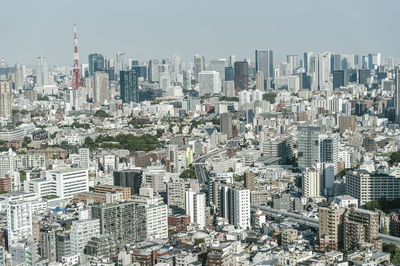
x,y
186,32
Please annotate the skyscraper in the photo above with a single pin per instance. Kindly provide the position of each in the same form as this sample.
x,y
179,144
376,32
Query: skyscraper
x,y
293,60
101,87
397,96
226,124
209,82
96,63
260,81
199,65
187,80
265,64
5,98
241,75
42,72
19,76
229,74
308,145
338,78
129,178
129,86
234,205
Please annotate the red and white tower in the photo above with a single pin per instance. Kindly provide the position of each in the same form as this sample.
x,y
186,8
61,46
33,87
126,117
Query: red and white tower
x,y
76,72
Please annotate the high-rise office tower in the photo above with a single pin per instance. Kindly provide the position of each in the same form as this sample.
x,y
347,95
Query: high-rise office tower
x,y
96,63
374,60
241,75
219,65
293,61
364,75
336,62
324,64
19,76
338,78
232,60
308,145
329,147
361,226
42,72
119,62
129,86
153,70
199,65
260,81
397,96
311,183
226,124
195,206
101,87
265,64
209,82
5,98
229,74
129,178
187,80
330,227
141,71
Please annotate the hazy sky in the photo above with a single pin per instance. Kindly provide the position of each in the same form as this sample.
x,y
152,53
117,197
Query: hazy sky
x,y
217,28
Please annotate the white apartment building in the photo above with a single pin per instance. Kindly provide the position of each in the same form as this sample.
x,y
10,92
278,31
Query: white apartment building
x,y
240,208
19,221
84,158
195,206
311,183
366,186
156,214
81,232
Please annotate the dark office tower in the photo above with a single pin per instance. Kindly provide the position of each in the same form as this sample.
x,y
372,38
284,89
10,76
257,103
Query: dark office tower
x,y
363,76
397,96
338,79
361,108
357,60
129,86
141,71
336,62
129,178
229,74
350,75
96,63
199,65
226,124
241,75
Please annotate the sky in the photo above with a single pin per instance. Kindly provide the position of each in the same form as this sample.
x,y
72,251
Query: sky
x,y
146,29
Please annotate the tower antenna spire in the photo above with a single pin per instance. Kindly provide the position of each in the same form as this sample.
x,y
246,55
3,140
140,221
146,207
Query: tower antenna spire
x,y
76,71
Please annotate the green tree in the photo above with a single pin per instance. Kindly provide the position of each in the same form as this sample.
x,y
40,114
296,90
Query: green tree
x,y
394,252
198,241
101,114
372,205
395,157
22,176
269,96
188,173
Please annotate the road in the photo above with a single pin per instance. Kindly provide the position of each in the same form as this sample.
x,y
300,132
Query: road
x,y
300,219
200,166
